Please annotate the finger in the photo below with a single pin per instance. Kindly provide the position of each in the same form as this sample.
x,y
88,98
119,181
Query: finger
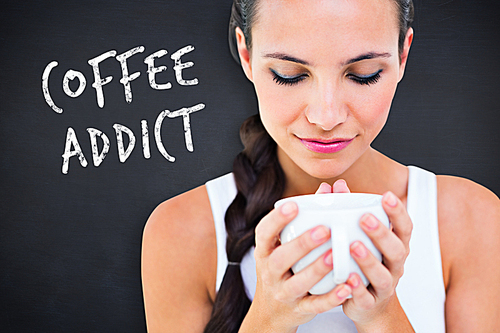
x,y
324,188
401,222
340,186
361,297
268,230
299,284
284,256
325,302
379,276
392,248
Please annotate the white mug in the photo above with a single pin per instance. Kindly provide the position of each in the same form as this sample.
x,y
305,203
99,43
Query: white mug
x,y
340,212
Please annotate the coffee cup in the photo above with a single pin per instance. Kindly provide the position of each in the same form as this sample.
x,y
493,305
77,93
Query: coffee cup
x,y
341,212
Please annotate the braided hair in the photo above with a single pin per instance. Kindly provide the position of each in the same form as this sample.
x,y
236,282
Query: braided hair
x,y
254,169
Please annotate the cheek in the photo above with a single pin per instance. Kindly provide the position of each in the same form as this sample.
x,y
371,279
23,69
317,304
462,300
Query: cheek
x,y
276,106
372,110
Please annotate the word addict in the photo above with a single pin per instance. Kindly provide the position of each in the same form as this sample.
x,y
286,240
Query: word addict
x,y
72,146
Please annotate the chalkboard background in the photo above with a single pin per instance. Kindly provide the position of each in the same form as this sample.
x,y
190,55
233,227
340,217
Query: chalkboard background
x,y
70,243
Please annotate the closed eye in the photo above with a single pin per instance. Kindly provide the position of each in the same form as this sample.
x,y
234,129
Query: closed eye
x,y
281,79
365,79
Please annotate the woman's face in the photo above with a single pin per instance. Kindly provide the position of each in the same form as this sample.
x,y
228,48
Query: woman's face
x,y
325,73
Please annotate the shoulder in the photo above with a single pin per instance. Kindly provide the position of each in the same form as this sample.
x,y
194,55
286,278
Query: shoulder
x,y
192,205
462,202
179,258
469,225
181,227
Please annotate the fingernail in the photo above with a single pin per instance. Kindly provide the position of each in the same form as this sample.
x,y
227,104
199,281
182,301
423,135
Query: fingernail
x,y
288,208
359,250
319,233
329,259
340,182
369,222
353,281
343,292
325,188
391,199
339,185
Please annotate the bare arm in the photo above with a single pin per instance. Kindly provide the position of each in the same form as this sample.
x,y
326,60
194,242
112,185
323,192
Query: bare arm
x,y
469,227
179,261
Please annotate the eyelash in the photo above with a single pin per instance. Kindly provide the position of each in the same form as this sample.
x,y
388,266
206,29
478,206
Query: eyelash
x,y
370,79
287,81
366,80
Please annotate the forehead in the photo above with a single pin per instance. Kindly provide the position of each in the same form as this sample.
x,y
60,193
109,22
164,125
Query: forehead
x,y
315,27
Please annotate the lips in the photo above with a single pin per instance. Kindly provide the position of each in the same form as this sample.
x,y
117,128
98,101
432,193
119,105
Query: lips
x,y
325,146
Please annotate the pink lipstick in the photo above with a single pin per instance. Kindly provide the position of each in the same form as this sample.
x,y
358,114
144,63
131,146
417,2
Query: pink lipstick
x,y
326,147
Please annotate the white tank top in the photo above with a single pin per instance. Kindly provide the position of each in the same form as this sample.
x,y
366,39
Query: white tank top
x,y
421,289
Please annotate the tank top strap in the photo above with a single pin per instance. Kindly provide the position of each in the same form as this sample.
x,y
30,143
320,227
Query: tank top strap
x,y
221,192
423,267
422,193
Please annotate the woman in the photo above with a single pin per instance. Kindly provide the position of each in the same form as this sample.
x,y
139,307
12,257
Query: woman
x,y
325,73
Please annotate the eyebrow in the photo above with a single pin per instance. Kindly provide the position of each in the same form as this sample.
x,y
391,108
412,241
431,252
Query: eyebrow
x,y
366,56
282,56
369,55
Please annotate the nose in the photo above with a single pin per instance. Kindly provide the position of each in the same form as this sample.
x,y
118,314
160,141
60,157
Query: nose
x,y
327,107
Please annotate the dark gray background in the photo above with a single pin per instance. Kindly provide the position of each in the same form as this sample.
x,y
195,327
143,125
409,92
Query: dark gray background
x,y
70,244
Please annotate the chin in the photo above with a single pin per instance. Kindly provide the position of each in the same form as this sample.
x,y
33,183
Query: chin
x,y
321,167
324,169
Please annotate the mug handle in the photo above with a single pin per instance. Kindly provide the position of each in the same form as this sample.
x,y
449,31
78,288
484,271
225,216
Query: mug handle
x,y
341,255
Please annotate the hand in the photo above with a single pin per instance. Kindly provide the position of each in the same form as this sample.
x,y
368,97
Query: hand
x,y
282,299
369,305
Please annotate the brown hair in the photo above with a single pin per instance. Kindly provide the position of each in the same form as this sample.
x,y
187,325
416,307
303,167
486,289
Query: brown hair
x,y
254,169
